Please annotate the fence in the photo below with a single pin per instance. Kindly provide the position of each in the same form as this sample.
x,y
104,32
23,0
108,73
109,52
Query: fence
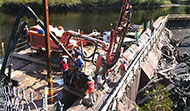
x,y
21,44
12,100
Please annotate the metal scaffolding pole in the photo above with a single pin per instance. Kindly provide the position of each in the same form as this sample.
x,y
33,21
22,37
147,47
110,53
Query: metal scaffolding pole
x,y
47,41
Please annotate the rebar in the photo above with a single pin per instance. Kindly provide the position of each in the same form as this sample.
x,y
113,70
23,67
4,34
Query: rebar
x,y
11,100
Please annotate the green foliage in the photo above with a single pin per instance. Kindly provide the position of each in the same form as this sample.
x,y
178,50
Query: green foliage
x,y
159,101
152,2
91,2
99,2
39,2
176,1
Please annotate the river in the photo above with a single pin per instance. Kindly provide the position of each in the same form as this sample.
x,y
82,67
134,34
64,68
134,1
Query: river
x,y
89,20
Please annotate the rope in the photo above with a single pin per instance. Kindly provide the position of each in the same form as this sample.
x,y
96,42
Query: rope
x,y
57,87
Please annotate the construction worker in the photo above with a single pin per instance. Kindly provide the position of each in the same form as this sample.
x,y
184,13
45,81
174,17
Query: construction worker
x,y
77,52
73,55
70,63
122,68
90,84
152,30
65,69
79,63
25,30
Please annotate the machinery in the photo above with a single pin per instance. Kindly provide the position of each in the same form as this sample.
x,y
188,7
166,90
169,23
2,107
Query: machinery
x,y
113,49
36,38
70,39
115,46
18,26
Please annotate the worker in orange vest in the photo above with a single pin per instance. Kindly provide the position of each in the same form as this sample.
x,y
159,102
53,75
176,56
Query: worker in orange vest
x,y
123,68
90,84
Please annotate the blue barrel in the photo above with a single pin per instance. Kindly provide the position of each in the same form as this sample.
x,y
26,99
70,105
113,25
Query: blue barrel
x,y
41,31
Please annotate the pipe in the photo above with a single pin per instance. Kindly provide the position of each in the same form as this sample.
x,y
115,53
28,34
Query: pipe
x,y
47,41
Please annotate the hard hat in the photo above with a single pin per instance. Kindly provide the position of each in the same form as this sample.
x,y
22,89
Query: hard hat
x,y
65,60
26,26
79,57
124,61
89,78
73,53
60,28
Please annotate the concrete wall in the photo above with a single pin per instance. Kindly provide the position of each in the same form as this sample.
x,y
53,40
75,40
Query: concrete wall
x,y
146,64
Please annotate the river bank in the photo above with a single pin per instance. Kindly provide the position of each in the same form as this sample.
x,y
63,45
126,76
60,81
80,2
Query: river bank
x,y
77,6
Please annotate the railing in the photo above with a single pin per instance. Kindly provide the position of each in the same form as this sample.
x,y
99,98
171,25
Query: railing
x,y
12,100
22,43
134,64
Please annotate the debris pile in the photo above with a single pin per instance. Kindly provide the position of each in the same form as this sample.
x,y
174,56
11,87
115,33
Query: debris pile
x,y
173,73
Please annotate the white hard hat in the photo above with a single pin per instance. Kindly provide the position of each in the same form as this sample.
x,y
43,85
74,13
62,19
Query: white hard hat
x,y
65,60
73,53
89,78
79,57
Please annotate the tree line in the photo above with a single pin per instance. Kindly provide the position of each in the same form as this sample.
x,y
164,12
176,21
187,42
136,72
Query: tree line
x,y
83,3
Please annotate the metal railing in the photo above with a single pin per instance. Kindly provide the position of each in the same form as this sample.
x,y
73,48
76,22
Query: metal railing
x,y
22,43
12,100
136,61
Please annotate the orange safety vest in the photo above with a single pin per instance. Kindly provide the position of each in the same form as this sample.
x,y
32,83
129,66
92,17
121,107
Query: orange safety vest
x,y
90,86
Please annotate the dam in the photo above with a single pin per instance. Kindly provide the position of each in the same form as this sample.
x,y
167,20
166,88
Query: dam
x,y
149,55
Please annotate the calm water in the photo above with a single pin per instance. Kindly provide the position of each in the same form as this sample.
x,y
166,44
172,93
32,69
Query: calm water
x,y
87,21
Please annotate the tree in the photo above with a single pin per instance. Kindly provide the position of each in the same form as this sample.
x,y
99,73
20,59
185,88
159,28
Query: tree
x,y
160,100
176,1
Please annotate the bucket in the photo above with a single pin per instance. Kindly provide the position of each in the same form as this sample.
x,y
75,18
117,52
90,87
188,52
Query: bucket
x,y
99,79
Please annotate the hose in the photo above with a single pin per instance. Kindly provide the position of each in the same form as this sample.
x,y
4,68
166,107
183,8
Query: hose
x,y
68,41
92,55
93,61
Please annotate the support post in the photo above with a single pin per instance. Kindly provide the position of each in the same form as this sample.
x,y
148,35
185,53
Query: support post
x,y
117,104
133,71
47,42
46,97
3,48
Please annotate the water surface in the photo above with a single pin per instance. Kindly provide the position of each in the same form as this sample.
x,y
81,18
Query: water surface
x,y
89,20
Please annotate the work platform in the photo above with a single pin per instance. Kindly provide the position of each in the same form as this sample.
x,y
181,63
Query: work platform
x,y
30,71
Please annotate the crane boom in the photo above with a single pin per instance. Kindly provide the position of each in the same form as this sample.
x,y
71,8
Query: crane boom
x,y
120,30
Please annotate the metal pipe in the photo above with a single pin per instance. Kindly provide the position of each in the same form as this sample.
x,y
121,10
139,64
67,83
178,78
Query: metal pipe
x,y
47,41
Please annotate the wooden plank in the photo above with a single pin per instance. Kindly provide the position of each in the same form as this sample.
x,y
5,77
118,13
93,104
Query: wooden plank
x,y
32,59
179,17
